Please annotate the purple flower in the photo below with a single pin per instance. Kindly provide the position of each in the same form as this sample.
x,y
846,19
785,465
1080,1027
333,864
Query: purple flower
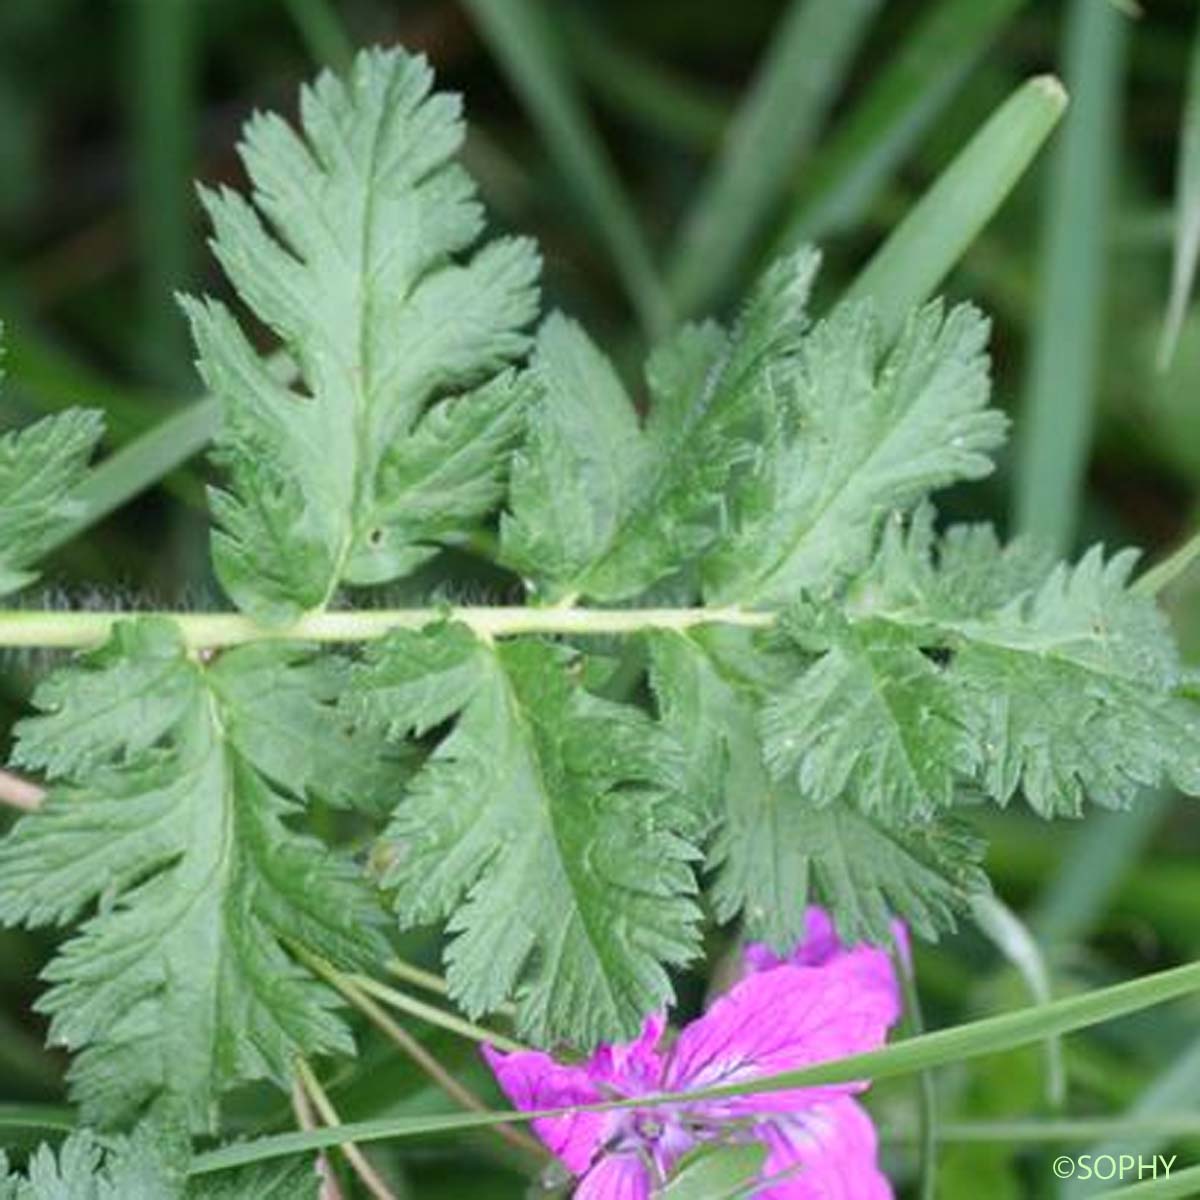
x,y
825,1001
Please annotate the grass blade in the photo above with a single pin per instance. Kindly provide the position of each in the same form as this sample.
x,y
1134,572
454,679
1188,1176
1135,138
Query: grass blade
x,y
908,267
37,1116
525,45
1035,1131
903,100
162,112
1187,212
322,32
771,131
1055,430
1175,1091
640,88
1009,934
53,381
140,464
972,1040
1182,1185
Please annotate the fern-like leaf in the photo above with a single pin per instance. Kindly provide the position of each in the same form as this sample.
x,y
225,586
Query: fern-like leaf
x,y
775,848
149,1165
967,664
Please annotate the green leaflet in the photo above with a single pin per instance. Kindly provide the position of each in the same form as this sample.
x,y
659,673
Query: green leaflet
x,y
604,508
178,985
851,435
873,721
40,467
149,1165
357,253
1075,691
279,708
966,664
545,826
721,1172
777,847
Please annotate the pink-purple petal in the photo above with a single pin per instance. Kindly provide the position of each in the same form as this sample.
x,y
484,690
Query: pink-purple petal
x,y
781,1020
532,1081
830,1152
821,947
632,1068
819,944
616,1177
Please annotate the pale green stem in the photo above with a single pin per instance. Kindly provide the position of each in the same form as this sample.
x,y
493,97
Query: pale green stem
x,y
1166,572
435,1016
927,1109
353,990
209,630
1033,1130
430,982
307,1120
419,976
354,1156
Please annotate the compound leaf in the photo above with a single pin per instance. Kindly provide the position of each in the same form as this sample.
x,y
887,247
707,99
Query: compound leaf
x,y
1075,691
279,709
776,849
146,1166
873,720
1066,679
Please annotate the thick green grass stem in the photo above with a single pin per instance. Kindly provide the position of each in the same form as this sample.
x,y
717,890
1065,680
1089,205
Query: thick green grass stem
x,y
1056,425
927,244
162,113
901,102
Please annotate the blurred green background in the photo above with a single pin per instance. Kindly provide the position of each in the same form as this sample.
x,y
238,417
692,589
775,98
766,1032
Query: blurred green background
x,y
661,150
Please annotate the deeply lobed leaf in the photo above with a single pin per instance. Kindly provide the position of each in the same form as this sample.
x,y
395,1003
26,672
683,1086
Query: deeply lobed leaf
x,y
40,467
854,430
149,1165
356,252
773,845
605,508
972,665
179,984
546,827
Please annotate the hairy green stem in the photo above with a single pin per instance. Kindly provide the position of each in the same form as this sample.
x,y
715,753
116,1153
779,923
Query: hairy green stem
x,y
210,630
306,1118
